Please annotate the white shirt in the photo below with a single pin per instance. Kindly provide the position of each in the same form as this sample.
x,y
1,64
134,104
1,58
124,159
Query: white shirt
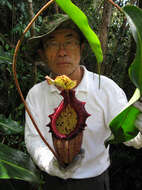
x,y
102,103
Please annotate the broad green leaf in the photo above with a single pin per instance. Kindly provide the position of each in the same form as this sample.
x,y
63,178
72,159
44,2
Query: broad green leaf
x,y
15,164
123,125
80,19
9,126
134,18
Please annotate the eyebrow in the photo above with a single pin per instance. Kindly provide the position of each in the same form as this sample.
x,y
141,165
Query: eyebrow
x,y
68,36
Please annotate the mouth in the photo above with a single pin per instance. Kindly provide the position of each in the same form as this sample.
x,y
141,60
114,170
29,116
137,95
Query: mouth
x,y
63,63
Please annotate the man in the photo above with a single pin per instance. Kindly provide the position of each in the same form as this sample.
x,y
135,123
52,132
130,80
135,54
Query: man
x,y
60,47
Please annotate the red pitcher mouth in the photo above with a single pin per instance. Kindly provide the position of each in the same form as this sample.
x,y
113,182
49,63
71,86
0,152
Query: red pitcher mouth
x,y
69,117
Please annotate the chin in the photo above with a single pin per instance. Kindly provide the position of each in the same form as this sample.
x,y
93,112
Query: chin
x,y
67,73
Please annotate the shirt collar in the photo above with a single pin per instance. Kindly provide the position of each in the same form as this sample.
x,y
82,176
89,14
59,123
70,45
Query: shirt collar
x,y
53,88
82,87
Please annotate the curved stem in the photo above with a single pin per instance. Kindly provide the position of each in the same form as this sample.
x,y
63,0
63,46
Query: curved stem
x,y
115,5
16,80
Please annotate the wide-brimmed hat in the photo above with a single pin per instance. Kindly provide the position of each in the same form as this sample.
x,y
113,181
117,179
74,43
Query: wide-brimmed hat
x,y
49,24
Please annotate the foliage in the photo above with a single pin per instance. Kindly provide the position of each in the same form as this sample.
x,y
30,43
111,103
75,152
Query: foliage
x,y
15,17
133,15
9,127
123,125
15,164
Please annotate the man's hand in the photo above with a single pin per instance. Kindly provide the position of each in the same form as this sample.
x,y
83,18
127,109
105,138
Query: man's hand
x,y
137,141
65,172
138,122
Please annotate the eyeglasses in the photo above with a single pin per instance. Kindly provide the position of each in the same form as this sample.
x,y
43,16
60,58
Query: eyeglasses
x,y
67,45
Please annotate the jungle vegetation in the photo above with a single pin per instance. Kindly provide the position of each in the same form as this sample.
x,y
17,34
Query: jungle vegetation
x,y
119,50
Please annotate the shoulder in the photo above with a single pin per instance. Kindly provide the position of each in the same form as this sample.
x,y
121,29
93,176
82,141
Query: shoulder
x,y
100,81
109,86
104,86
106,82
38,89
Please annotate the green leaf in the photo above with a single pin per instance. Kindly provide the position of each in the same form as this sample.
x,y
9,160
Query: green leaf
x,y
123,125
1,40
3,59
126,127
9,5
9,126
80,19
15,164
5,56
134,18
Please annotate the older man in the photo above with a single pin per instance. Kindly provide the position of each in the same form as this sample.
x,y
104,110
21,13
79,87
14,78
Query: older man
x,y
60,45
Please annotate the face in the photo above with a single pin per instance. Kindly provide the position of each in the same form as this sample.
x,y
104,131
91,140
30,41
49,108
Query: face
x,y
62,51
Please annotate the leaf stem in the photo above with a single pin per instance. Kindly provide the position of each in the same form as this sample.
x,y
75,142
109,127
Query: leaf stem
x,y
16,80
115,5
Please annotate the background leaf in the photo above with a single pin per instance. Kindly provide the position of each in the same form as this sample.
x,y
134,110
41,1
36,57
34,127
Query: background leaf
x,y
134,18
9,126
122,126
15,164
5,59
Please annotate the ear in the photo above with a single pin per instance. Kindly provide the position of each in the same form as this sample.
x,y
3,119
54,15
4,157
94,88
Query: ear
x,y
41,54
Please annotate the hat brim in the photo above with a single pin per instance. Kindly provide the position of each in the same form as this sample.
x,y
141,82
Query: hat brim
x,y
33,42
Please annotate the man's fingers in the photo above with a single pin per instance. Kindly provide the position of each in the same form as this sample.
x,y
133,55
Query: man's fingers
x,y
138,122
138,105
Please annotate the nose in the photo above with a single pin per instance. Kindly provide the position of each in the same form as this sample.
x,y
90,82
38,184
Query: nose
x,y
62,50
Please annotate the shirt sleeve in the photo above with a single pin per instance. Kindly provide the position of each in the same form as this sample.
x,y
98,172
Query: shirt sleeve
x,y
115,100
38,150
135,142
